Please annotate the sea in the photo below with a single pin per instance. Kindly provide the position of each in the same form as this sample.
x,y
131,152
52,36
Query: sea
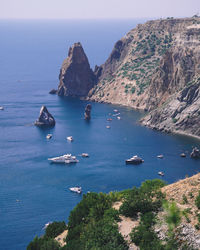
x,y
34,192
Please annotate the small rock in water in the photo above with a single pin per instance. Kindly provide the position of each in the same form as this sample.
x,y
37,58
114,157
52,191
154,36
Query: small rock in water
x,y
45,118
53,92
195,153
88,112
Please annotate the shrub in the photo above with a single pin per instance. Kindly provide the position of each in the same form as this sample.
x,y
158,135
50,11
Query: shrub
x,y
145,199
185,200
43,244
197,201
173,217
54,229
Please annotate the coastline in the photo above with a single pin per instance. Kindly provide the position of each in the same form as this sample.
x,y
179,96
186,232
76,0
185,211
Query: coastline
x,y
175,132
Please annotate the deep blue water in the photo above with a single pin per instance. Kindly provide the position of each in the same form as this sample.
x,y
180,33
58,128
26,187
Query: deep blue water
x,y
31,56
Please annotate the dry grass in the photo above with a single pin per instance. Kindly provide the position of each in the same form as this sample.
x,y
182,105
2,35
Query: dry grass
x,y
188,187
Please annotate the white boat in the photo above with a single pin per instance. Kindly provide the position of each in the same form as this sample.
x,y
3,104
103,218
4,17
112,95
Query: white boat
x,y
70,138
85,155
107,126
116,114
49,136
183,155
160,156
134,160
47,224
118,117
76,189
68,158
161,173
115,110
1,108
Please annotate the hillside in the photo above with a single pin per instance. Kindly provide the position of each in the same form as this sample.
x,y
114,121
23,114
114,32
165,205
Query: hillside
x,y
152,216
155,67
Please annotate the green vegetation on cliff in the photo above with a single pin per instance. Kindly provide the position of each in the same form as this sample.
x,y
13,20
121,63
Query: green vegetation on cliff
x,y
94,222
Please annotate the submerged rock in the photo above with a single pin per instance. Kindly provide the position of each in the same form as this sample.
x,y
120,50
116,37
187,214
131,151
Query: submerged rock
x,y
195,153
76,77
45,118
88,112
53,91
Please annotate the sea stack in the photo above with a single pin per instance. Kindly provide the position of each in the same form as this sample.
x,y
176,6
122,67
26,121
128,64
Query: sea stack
x,y
76,77
88,109
45,118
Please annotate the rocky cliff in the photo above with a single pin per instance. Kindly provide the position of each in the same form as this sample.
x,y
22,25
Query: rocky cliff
x,y
156,68
76,77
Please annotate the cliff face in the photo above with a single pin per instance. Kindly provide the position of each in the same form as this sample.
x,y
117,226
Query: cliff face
x,y
76,77
155,67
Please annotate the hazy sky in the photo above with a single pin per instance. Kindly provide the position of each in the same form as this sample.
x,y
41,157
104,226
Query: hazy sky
x,y
97,8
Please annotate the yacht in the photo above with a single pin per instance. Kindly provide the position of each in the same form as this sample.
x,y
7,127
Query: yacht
x,y
70,138
49,136
134,160
68,158
1,108
76,189
85,155
161,173
160,156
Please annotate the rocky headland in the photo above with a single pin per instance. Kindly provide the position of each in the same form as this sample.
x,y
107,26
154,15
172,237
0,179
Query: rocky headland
x,y
154,67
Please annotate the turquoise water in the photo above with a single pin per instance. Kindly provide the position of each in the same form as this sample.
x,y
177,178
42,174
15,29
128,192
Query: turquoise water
x,y
32,191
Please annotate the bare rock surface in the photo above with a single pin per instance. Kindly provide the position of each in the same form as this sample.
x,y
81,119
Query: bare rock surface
x,y
88,109
76,77
45,118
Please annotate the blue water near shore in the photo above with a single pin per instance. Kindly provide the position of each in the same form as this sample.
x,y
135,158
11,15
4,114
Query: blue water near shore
x,y
32,191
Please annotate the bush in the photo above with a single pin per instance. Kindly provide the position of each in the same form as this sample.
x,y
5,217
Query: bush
x,y
54,229
197,201
145,199
185,200
43,244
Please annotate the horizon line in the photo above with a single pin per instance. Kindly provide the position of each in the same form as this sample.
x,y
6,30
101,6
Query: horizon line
x,y
91,18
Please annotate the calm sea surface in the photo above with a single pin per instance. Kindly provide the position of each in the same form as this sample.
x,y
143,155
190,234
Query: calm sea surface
x,y
34,192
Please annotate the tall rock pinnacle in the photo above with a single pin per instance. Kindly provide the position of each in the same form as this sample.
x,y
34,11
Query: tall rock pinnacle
x,y
76,77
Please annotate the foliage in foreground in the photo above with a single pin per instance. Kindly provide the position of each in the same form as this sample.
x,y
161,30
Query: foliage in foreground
x,y
47,242
147,198
93,222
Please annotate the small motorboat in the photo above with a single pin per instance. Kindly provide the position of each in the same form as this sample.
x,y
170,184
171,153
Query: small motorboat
x,y
76,189
109,119
85,155
134,160
183,155
160,156
49,136
107,126
1,108
115,110
116,114
161,173
118,118
70,138
64,159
